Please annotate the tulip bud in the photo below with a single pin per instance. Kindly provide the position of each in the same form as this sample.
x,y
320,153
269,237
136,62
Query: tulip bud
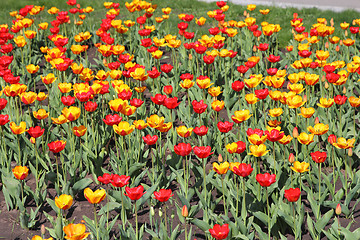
x,y
350,152
327,45
332,22
254,48
337,48
305,98
323,78
190,57
245,13
104,62
32,140
172,216
338,209
295,132
291,158
353,22
344,90
317,120
295,15
160,212
184,211
326,85
346,33
288,84
220,158
42,230
152,211
341,42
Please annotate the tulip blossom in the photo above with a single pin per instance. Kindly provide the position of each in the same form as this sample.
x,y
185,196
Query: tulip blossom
x,y
266,179
163,195
94,197
292,194
220,232
134,193
242,169
119,180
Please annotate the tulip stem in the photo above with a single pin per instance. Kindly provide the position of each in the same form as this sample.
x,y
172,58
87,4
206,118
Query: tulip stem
x,y
96,224
18,141
57,172
274,157
204,184
244,200
136,222
122,210
319,190
224,199
268,211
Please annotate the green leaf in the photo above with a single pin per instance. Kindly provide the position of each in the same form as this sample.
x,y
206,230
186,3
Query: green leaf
x,y
82,184
204,226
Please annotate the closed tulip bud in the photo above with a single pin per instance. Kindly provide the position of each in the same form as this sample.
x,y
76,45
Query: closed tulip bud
x,y
323,78
338,209
305,98
152,211
350,152
220,158
32,140
160,212
317,120
172,216
337,48
42,229
326,85
295,132
344,90
184,211
291,158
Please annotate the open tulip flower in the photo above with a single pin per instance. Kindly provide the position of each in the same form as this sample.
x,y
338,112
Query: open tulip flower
x,y
266,179
221,168
64,201
258,150
134,193
94,197
163,195
300,167
220,232
292,194
20,172
75,231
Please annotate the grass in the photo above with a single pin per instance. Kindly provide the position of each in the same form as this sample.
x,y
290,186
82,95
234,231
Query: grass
x,y
277,15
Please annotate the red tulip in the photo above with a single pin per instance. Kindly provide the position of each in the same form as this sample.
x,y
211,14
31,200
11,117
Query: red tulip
x,y
225,127
186,76
3,103
202,151
329,68
112,119
266,179
220,232
262,93
163,195
134,193
199,107
208,59
119,180
340,100
171,103
241,147
183,149
36,132
84,96
331,138
166,68
125,94
105,178
158,99
201,131
90,106
57,146
318,157
214,31
257,131
150,140
68,101
220,4
332,77
272,58
154,73
304,53
263,46
292,194
237,86
271,71
136,102
274,136
4,119
243,170
168,89
242,69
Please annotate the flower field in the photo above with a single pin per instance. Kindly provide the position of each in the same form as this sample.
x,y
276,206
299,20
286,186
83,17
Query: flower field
x,y
128,130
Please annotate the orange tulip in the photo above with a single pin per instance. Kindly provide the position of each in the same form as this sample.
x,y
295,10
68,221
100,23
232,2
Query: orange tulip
x,y
64,201
94,197
20,172
75,231
18,129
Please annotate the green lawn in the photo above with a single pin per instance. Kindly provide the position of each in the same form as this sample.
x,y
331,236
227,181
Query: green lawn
x,y
277,15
